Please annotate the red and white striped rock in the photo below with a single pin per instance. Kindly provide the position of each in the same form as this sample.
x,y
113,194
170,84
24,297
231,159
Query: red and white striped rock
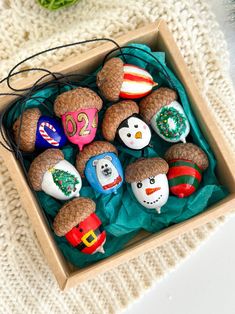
x,y
137,82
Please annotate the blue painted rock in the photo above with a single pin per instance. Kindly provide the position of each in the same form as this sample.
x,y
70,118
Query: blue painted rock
x,y
99,163
38,132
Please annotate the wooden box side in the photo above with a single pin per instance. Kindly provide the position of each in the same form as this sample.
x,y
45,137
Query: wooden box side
x,y
163,41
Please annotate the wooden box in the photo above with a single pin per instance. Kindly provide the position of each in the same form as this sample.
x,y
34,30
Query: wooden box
x,y
159,38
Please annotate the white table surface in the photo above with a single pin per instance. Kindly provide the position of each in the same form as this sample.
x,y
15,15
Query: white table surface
x,y
205,282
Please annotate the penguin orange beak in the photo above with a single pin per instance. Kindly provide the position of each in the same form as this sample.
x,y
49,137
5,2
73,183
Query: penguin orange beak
x,y
150,191
138,134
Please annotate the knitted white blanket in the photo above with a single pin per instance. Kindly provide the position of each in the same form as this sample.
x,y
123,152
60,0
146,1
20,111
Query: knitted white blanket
x,y
26,283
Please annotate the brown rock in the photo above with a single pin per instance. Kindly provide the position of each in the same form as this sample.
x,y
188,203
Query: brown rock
x,y
28,130
114,115
71,214
188,151
75,99
110,79
43,162
144,168
152,103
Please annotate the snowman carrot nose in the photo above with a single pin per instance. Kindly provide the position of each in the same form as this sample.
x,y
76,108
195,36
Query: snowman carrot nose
x,y
138,134
150,191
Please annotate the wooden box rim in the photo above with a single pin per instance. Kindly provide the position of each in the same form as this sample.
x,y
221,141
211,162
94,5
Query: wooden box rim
x,y
60,267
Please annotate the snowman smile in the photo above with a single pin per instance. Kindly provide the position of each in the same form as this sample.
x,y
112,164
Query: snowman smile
x,y
153,202
150,191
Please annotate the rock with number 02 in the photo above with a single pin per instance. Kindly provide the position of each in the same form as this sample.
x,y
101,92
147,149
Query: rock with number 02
x,y
186,164
81,227
78,109
51,173
148,180
34,131
166,116
118,80
99,163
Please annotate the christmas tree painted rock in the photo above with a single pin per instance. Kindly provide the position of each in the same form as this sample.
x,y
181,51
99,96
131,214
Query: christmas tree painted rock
x,y
166,115
149,181
78,109
99,163
35,131
186,164
121,121
51,173
81,227
118,80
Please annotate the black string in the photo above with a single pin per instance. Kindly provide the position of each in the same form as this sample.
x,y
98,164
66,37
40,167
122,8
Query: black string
x,y
57,80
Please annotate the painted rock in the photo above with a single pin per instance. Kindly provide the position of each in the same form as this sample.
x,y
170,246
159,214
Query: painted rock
x,y
78,109
81,227
51,173
121,121
99,163
118,80
166,116
149,183
186,164
38,131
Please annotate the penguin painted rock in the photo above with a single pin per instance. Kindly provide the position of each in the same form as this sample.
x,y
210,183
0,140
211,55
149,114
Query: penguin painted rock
x,y
51,173
166,116
121,120
99,163
78,109
38,132
81,227
149,183
186,164
118,80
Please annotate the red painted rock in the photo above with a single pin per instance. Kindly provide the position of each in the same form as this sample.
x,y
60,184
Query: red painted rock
x,y
186,164
118,80
81,227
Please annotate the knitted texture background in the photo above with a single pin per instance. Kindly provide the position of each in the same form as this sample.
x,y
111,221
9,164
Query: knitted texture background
x,y
26,283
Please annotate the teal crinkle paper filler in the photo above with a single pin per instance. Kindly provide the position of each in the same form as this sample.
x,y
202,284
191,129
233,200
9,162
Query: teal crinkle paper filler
x,y
56,4
121,214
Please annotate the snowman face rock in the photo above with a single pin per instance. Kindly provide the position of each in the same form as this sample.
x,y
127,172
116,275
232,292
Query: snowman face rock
x,y
104,173
62,182
152,192
134,133
171,123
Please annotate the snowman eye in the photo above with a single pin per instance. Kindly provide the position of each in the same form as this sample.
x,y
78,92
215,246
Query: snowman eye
x,y
151,180
102,167
136,126
106,165
128,135
139,185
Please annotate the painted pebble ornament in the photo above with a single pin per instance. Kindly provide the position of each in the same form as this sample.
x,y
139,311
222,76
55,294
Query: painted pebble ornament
x,y
78,109
81,227
118,80
121,120
38,132
51,173
166,116
99,163
149,183
186,164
